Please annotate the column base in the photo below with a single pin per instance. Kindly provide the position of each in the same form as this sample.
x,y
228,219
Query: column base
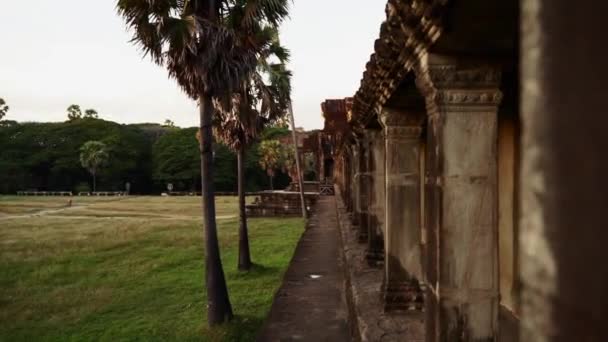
x,y
362,236
363,233
375,258
374,254
354,218
403,296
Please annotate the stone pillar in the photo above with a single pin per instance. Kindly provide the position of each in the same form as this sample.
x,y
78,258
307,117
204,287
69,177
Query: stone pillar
x,y
564,201
321,160
346,181
462,101
362,195
403,267
354,191
376,215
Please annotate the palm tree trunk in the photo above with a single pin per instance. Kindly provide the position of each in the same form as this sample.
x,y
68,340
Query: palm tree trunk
x,y
271,182
244,255
94,183
219,309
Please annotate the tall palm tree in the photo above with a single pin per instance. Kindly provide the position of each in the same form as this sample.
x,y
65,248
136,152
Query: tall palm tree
x,y
256,105
204,45
93,156
270,158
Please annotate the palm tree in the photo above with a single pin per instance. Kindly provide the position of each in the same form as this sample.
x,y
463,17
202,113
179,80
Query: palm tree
x,y
255,106
3,108
93,156
204,45
270,158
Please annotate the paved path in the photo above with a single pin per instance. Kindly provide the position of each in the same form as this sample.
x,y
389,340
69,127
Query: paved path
x,y
311,303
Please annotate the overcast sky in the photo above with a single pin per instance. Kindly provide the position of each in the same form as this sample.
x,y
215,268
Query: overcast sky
x,y
56,53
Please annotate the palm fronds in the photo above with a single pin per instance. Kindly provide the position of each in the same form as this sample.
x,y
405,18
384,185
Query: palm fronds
x,y
204,51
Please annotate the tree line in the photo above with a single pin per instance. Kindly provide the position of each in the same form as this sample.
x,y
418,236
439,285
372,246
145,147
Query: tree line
x,y
47,157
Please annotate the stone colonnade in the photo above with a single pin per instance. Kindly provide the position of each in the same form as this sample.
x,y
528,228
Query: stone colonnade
x,y
426,200
494,202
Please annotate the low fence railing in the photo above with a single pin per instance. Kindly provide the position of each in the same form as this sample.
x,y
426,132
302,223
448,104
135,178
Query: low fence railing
x,y
103,193
69,193
44,193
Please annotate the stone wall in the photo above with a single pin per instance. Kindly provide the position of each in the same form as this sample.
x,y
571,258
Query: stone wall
x,y
280,203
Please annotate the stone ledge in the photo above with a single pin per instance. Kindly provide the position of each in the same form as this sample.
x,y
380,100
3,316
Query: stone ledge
x,y
364,283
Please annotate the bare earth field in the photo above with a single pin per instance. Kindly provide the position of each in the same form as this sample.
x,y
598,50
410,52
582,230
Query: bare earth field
x,y
130,269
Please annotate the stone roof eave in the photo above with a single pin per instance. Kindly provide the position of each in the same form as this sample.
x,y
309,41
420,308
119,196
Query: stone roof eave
x,y
411,27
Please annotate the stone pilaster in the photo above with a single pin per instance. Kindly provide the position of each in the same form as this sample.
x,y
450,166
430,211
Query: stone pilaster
x,y
462,101
354,191
376,215
402,217
347,180
362,194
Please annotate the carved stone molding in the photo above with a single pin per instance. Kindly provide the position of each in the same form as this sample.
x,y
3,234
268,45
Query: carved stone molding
x,y
391,117
400,125
472,88
451,76
467,96
402,132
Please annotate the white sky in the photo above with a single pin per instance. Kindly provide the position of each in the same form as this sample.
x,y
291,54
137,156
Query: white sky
x,y
60,52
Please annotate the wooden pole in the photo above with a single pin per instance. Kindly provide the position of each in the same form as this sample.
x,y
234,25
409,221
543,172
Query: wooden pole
x,y
297,154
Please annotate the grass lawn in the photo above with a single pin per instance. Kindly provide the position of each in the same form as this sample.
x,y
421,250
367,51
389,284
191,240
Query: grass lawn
x,y
130,269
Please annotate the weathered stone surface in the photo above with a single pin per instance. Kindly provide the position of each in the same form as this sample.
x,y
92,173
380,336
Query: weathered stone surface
x,y
371,321
462,136
376,216
564,166
362,178
403,269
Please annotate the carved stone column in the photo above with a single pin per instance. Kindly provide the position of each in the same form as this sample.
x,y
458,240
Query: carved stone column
x,y
376,215
461,210
354,191
346,192
353,169
362,195
402,240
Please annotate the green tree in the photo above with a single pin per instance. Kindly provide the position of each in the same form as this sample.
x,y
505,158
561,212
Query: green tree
x,y
74,112
3,108
176,159
204,46
93,156
91,114
169,124
270,158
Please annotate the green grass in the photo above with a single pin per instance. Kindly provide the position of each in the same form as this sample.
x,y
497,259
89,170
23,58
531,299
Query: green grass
x,y
92,275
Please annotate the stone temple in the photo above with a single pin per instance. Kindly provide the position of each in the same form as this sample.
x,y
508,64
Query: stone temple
x,y
472,164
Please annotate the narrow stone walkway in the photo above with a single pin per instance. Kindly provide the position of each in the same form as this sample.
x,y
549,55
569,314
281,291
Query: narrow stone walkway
x,y
311,303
